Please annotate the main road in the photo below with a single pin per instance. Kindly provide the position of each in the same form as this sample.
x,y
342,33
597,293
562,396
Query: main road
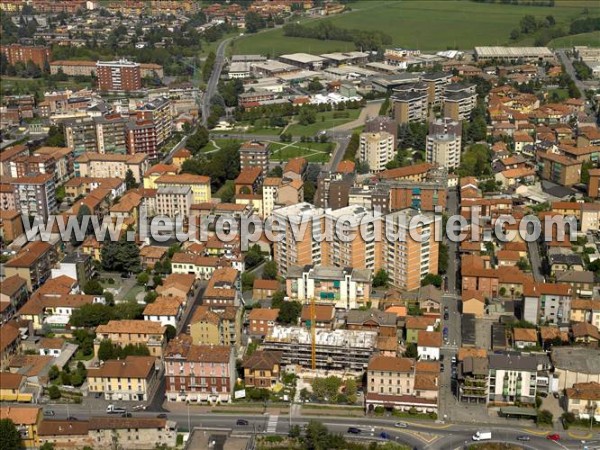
x,y
211,87
419,435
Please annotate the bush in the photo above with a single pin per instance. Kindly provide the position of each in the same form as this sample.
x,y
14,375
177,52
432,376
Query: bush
x,y
111,281
379,410
544,417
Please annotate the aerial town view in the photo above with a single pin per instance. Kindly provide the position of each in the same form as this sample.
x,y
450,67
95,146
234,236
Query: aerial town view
x,y
300,224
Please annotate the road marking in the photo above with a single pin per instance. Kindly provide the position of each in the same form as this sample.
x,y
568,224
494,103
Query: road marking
x,y
580,436
536,432
272,423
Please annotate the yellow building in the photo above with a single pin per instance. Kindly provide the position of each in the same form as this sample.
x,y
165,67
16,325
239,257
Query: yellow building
x,y
26,420
583,399
181,156
11,385
473,303
200,185
123,332
585,310
155,172
133,379
221,326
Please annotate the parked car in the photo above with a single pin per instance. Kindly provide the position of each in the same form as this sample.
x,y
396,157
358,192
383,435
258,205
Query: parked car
x,y
523,437
401,425
242,422
161,416
49,412
553,437
354,430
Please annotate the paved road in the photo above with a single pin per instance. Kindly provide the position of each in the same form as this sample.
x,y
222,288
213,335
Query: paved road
x,y
536,261
211,87
571,70
453,272
418,435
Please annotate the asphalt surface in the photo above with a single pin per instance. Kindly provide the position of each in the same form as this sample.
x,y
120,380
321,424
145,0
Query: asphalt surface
x,y
420,435
211,87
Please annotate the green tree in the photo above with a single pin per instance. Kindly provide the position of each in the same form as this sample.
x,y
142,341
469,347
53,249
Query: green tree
x,y
585,171
544,417
120,256
130,180
270,270
56,137
295,431
46,446
253,257
142,278
93,287
316,436
83,215
198,140
411,350
432,278
254,22
381,278
53,372
277,299
247,281
289,312
91,315
327,388
53,393
443,258
10,438
170,332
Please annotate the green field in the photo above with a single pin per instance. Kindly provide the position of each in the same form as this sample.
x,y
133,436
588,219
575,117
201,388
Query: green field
x,y
590,39
215,145
324,121
16,85
247,128
311,151
426,25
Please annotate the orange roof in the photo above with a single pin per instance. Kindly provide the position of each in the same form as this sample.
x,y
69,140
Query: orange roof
x,y
323,313
296,165
525,335
131,327
429,339
346,167
400,311
391,364
470,294
20,415
271,285
263,314
183,178
248,175
164,306
29,254
162,169
402,172
466,352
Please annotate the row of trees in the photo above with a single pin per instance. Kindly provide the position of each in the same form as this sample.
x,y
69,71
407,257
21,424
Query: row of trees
x,y
220,166
334,390
68,377
92,315
365,40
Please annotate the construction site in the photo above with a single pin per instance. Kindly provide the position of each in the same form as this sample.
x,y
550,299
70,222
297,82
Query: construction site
x,y
321,349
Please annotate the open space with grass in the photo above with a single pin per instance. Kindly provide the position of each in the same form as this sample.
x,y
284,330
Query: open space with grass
x,y
590,39
325,120
215,145
311,151
426,25
16,85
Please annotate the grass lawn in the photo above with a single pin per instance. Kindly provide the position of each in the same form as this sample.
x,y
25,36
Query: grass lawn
x,y
425,25
590,39
563,94
312,151
246,128
211,147
135,290
16,85
325,120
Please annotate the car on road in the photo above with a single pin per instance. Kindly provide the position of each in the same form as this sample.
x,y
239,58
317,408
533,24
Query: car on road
x,y
446,316
384,435
49,413
441,367
72,419
523,437
354,430
161,416
553,437
401,425
241,422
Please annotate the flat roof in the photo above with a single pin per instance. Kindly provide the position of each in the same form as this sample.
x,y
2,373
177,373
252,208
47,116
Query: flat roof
x,y
304,58
513,52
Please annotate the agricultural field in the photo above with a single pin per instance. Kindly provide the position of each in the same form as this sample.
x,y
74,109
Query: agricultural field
x,y
590,39
325,120
312,151
426,25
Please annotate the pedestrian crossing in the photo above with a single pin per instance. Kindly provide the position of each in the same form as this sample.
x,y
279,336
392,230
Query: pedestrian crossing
x,y
272,423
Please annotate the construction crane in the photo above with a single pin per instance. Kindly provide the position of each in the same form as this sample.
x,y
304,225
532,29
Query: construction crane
x,y
313,334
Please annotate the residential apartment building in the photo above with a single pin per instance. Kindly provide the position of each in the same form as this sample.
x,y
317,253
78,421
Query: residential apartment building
x,y
444,150
255,154
279,192
152,127
583,400
96,165
436,84
410,107
11,225
138,433
585,310
333,189
376,150
216,326
459,100
134,378
174,201
512,378
382,123
33,263
33,164
165,310
407,260
200,185
63,158
363,250
35,195
473,373
15,53
560,169
123,332
119,75
550,303
292,250
344,287
223,288
26,420
199,373
110,133
401,383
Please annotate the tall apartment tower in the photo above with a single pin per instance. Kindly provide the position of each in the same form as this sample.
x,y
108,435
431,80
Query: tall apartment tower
x,y
119,75
35,195
255,154
410,106
376,149
382,123
302,248
443,144
408,260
